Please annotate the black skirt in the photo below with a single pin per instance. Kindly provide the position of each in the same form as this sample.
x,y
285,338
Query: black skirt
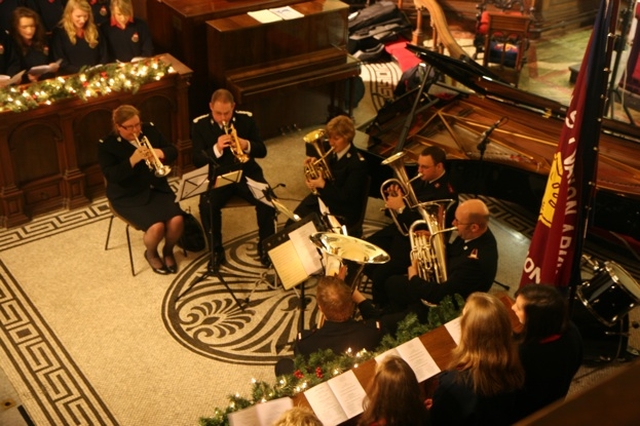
x,y
160,208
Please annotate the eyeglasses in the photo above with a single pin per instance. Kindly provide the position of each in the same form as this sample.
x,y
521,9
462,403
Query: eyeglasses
x,y
461,223
132,127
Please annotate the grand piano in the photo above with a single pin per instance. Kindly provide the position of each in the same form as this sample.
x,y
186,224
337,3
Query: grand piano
x,y
517,159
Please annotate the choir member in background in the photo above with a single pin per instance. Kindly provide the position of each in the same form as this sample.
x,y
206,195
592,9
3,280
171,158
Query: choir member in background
x,y
76,41
31,44
101,12
127,37
50,12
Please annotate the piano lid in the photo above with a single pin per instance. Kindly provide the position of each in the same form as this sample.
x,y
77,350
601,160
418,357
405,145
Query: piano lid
x,y
484,82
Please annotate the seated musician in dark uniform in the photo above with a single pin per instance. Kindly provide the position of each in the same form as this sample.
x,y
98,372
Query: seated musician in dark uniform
x,y
134,190
342,195
229,140
339,332
433,184
127,37
472,263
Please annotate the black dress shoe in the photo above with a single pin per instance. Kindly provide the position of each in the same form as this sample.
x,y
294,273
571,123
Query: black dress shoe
x,y
171,268
162,271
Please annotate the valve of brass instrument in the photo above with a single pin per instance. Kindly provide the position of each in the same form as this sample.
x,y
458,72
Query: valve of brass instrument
x,y
236,147
317,167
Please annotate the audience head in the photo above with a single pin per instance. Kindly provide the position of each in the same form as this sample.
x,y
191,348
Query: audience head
x,y
27,29
126,121
77,20
298,416
487,351
334,299
542,310
122,11
471,219
222,106
341,131
395,397
431,163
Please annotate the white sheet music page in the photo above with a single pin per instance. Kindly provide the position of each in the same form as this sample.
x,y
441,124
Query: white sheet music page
x,y
307,251
289,266
325,404
419,359
453,327
349,392
261,414
264,16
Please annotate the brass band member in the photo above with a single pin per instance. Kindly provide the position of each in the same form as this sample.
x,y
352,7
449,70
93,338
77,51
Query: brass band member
x,y
133,189
472,263
344,194
216,137
433,184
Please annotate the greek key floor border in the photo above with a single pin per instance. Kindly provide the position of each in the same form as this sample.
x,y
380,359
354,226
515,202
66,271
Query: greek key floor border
x,y
58,391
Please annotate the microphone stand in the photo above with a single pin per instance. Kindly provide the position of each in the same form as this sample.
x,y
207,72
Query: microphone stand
x,y
482,147
211,269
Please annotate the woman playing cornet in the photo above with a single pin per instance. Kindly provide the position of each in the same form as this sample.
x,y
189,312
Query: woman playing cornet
x,y
135,191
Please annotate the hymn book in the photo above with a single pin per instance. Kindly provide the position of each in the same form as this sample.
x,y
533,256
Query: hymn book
x,y
417,356
338,399
262,414
453,327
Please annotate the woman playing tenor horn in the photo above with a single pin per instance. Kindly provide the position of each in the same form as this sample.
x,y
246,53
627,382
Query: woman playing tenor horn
x,y
135,191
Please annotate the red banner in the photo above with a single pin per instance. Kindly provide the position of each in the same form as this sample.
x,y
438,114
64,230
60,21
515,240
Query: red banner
x,y
557,241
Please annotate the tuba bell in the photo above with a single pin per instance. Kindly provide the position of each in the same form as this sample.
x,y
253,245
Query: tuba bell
x,y
402,180
154,163
318,167
429,250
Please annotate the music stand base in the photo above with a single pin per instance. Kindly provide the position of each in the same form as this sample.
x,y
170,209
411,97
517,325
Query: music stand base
x,y
216,273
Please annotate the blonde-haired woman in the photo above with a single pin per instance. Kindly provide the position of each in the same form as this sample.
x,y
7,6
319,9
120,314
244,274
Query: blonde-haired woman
x,y
485,377
76,41
127,37
395,398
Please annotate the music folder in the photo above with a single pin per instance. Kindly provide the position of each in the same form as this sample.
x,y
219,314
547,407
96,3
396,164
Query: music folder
x,y
294,256
227,178
193,183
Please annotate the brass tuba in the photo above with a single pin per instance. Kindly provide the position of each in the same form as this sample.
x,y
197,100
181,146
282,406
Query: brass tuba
x,y
235,146
154,163
396,163
319,166
430,250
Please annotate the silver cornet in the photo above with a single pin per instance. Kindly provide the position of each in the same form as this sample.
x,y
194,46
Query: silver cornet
x,y
155,165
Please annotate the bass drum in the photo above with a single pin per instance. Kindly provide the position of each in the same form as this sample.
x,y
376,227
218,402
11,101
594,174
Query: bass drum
x,y
610,294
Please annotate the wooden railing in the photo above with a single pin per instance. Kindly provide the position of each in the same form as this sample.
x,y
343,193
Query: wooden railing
x,y
48,155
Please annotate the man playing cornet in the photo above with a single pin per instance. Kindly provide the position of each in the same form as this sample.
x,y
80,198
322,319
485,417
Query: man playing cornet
x,y
229,140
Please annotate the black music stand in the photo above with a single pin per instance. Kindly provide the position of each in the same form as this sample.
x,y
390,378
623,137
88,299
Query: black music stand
x,y
214,180
292,254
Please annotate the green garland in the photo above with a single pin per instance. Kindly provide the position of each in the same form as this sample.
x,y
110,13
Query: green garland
x,y
323,365
91,82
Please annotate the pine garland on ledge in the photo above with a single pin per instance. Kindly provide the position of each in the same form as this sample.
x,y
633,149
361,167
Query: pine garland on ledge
x,y
325,364
91,82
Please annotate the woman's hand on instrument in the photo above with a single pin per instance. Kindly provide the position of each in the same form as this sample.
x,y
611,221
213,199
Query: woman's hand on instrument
x,y
140,154
159,153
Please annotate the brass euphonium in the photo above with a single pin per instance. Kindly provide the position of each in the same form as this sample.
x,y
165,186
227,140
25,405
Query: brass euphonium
x,y
154,164
318,167
235,146
402,180
430,250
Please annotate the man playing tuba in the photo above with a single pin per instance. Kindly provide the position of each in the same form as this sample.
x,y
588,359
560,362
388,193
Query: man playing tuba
x,y
433,184
343,194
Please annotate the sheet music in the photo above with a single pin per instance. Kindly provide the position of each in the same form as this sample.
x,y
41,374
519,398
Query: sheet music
x,y
257,189
453,327
288,265
325,405
193,183
43,69
6,80
417,356
419,359
286,12
228,178
306,250
264,16
349,392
